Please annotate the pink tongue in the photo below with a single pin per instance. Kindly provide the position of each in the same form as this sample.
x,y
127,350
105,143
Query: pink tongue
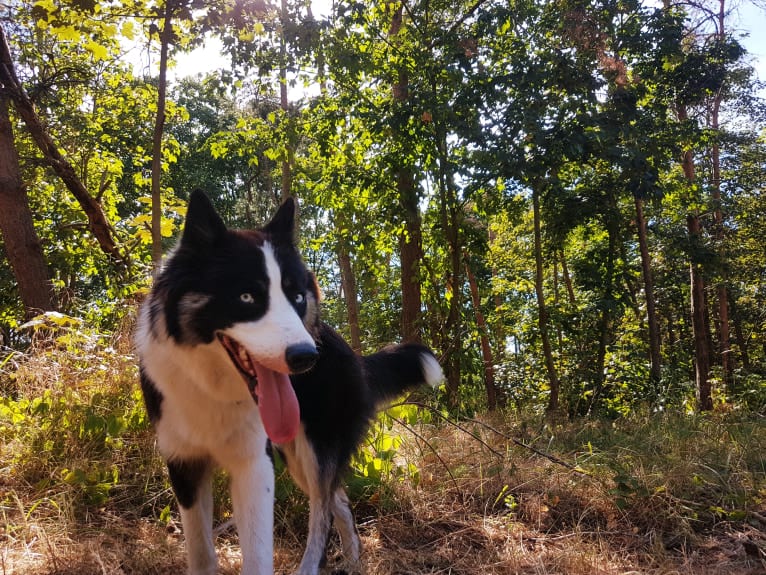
x,y
278,404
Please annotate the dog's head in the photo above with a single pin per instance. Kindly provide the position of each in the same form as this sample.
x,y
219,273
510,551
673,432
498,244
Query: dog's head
x,y
250,292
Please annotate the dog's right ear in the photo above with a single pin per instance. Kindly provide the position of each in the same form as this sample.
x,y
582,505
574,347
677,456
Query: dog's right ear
x,y
281,228
203,224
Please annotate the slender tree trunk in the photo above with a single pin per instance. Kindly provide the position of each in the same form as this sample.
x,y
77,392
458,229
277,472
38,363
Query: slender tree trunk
x,y
739,336
97,222
448,209
284,104
724,338
410,253
651,312
542,311
348,283
22,246
486,349
567,278
700,323
410,242
499,326
605,324
166,34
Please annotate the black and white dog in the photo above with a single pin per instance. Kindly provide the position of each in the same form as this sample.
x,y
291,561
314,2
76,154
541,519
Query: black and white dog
x,y
234,361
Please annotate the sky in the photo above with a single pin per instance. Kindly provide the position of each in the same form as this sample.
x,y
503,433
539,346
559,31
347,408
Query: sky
x,y
752,19
748,19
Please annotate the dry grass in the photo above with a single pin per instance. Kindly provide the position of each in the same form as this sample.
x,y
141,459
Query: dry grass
x,y
668,495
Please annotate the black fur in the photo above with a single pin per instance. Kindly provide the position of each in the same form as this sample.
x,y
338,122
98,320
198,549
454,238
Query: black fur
x,y
185,477
152,398
212,259
394,370
336,406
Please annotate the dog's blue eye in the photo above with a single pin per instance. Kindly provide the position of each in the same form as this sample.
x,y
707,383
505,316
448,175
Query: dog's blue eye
x,y
247,298
299,298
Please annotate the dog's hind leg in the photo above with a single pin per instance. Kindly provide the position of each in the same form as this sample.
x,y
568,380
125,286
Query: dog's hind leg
x,y
252,497
192,483
320,520
344,522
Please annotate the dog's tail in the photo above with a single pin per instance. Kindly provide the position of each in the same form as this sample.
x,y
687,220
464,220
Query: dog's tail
x,y
398,368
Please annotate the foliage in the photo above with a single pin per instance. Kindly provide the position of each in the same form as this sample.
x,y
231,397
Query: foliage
x,y
72,420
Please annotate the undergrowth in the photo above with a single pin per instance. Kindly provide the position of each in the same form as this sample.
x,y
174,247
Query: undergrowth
x,y
83,490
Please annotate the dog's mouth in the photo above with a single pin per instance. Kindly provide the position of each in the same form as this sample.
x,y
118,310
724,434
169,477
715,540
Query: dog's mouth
x,y
242,361
271,390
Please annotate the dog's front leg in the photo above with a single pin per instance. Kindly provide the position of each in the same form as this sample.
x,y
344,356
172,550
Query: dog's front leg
x,y
192,483
252,496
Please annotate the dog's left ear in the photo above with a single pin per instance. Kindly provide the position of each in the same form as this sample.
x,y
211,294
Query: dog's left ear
x,y
281,228
203,225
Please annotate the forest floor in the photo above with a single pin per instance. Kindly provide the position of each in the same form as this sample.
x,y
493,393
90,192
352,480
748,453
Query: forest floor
x,y
84,492
669,494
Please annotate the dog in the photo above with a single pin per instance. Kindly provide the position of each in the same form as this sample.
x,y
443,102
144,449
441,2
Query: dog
x,y
235,363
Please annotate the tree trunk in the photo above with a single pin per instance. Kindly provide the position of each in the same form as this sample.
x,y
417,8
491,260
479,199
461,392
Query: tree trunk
x,y
542,311
410,253
739,336
724,338
410,242
605,324
348,284
567,278
166,34
651,313
97,222
486,349
283,101
22,246
700,324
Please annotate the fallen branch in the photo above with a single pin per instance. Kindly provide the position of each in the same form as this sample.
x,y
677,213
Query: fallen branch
x,y
548,456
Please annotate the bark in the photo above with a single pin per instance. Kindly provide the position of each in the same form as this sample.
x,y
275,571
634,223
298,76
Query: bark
x,y
410,242
542,311
411,253
486,348
651,312
284,104
166,35
724,338
605,323
348,284
22,246
499,327
744,352
700,323
567,278
97,222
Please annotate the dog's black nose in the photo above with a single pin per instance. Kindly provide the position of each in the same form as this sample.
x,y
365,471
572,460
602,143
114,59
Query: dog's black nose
x,y
301,357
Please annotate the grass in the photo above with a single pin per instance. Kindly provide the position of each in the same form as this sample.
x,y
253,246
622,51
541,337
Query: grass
x,y
82,490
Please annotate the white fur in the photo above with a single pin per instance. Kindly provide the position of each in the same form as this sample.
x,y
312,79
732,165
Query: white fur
x,y
207,412
431,370
267,338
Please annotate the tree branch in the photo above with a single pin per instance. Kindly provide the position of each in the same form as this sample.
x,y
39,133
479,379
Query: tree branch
x,y
97,222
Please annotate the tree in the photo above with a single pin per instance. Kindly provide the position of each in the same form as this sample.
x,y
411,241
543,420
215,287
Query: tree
x,y
22,245
98,224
